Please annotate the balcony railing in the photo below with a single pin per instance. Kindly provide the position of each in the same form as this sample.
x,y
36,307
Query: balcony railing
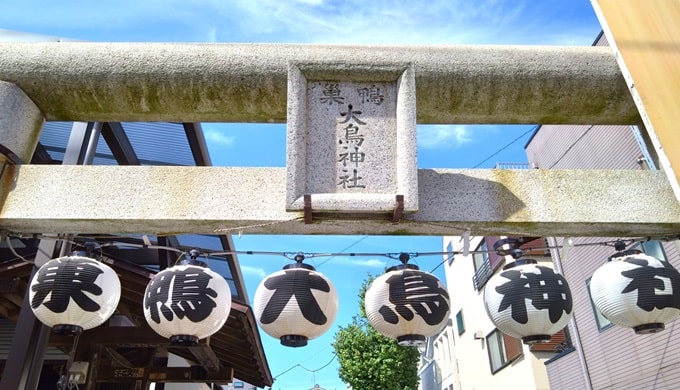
x,y
482,275
511,165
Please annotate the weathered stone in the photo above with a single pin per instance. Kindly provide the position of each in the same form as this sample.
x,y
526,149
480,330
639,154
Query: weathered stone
x,y
247,82
20,121
252,200
351,138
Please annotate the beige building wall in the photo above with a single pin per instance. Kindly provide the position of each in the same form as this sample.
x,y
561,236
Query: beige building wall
x,y
470,364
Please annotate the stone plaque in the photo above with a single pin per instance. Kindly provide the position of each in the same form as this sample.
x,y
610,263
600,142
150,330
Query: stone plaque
x,y
351,137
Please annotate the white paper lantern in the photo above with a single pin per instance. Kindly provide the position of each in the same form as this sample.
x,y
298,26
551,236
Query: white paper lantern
x,y
295,304
74,293
186,303
637,291
528,301
407,304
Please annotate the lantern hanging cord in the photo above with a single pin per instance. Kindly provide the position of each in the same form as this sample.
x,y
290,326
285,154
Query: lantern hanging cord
x,y
308,370
82,240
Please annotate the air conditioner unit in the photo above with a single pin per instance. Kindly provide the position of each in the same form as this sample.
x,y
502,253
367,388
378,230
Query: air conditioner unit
x,y
479,335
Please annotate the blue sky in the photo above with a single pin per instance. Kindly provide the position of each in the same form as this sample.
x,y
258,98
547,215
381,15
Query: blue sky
x,y
447,22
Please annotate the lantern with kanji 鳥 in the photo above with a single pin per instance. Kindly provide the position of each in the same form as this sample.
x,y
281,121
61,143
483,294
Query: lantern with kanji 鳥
x,y
74,293
407,304
187,302
295,304
528,301
637,291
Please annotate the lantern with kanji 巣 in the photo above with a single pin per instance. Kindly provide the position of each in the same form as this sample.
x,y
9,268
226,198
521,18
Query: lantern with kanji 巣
x,y
74,293
528,301
187,302
295,304
637,291
407,304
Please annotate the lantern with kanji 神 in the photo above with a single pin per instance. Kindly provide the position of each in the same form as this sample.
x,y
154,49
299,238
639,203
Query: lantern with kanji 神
x,y
407,304
295,304
187,302
74,293
528,301
637,291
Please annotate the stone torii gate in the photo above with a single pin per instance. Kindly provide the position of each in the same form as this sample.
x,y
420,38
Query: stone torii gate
x,y
277,83
272,83
267,83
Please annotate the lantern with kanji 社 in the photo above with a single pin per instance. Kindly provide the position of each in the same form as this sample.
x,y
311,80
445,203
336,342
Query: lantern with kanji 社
x,y
637,291
187,302
74,293
295,304
407,304
528,301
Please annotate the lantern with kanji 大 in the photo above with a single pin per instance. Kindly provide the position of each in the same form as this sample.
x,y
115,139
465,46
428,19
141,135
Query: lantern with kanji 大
x,y
74,293
187,302
407,304
528,301
295,304
637,291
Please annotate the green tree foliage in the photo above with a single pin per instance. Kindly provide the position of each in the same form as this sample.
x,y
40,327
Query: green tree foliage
x,y
371,361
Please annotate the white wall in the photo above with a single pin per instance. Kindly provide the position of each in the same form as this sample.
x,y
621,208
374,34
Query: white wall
x,y
469,355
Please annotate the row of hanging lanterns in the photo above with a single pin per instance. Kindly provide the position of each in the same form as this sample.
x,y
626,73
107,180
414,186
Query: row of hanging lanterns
x,y
184,303
532,302
189,302
299,304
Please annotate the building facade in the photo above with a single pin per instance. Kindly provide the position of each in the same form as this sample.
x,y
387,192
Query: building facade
x,y
470,353
605,356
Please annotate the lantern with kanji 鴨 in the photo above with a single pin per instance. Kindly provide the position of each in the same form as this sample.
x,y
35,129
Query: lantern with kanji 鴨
x,y
187,302
528,301
637,291
74,293
407,304
295,304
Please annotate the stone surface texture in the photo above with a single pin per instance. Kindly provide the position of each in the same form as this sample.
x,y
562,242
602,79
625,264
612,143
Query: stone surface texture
x,y
247,82
20,121
483,202
351,144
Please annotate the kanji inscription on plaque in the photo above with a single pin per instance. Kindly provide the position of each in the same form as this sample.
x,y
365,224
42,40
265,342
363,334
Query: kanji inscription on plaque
x,y
351,140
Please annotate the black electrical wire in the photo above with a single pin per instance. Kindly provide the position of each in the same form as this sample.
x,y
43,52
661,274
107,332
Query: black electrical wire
x,y
293,255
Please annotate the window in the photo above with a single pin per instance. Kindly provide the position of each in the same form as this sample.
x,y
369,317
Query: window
x,y
481,255
486,261
480,259
559,342
449,252
652,248
460,323
602,322
502,350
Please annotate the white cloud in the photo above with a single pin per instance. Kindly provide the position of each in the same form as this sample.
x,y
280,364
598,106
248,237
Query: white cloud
x,y
314,21
358,262
443,136
403,22
215,137
253,271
